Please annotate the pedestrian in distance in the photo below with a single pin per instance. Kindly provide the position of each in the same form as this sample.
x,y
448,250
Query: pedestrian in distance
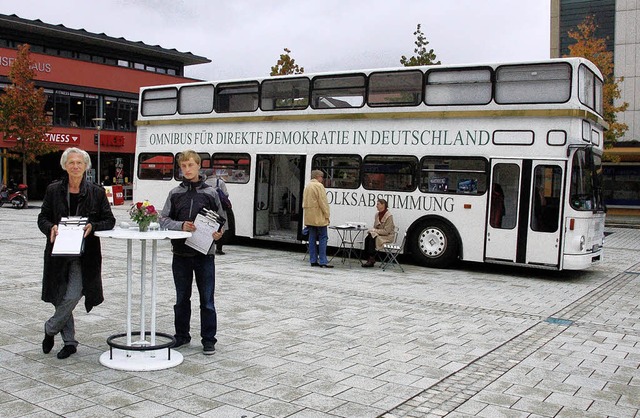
x,y
383,232
66,279
182,206
316,219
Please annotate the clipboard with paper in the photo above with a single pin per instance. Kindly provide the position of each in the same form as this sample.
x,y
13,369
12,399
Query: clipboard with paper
x,y
70,239
207,222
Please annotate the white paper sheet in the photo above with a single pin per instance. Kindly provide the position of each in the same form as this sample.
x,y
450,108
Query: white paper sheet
x,y
70,238
202,238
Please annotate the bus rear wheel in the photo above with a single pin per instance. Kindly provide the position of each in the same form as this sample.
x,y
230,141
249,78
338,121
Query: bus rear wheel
x,y
434,244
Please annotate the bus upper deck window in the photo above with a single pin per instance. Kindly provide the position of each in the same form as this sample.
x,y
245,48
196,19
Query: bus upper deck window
x,y
237,97
158,102
458,87
395,88
540,83
196,99
287,94
338,91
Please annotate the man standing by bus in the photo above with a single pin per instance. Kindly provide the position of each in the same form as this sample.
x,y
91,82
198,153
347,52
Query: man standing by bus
x,y
180,210
316,218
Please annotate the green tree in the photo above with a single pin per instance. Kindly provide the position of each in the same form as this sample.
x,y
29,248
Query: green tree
x,y
22,113
286,65
594,49
423,56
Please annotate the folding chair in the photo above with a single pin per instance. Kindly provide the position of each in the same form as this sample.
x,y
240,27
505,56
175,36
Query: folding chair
x,y
391,252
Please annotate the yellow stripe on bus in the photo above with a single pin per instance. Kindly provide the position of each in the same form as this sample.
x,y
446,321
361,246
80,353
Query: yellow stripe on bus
x,y
457,114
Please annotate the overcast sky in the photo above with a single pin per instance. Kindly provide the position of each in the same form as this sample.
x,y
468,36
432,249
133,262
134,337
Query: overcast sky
x,y
244,38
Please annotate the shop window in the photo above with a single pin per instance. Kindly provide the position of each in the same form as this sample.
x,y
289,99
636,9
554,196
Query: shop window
x,y
110,112
61,109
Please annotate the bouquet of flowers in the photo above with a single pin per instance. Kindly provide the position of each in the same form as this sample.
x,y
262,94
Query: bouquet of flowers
x,y
143,213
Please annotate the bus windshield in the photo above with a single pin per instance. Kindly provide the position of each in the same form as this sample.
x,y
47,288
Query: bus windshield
x,y
586,181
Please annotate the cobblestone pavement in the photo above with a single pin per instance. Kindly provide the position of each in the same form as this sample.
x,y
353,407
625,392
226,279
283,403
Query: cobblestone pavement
x,y
302,342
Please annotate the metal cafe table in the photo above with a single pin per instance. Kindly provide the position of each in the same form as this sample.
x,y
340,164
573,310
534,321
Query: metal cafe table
x,y
350,241
143,354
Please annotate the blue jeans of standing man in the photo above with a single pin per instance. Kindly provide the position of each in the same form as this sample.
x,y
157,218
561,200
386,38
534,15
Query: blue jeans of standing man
x,y
205,271
319,234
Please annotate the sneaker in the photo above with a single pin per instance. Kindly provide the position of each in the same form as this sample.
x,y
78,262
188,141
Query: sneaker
x,y
220,252
208,348
66,351
326,266
180,341
315,264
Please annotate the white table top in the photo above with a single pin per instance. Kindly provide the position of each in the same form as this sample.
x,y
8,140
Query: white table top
x,y
134,233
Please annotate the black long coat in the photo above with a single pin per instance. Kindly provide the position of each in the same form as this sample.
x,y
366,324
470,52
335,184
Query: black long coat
x,y
92,204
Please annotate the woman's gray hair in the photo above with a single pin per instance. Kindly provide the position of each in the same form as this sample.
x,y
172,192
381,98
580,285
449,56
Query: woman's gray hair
x,y
73,150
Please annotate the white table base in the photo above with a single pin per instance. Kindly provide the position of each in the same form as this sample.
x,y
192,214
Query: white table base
x,y
141,361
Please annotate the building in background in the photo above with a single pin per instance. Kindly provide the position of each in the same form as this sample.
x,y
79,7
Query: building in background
x,y
617,21
86,76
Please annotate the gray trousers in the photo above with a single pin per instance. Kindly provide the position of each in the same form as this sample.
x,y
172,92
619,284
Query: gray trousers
x,y
62,320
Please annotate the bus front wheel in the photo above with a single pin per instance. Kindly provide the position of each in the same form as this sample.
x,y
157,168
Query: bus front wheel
x,y
434,244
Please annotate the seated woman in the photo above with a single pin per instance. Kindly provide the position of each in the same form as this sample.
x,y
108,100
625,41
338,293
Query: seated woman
x,y
383,232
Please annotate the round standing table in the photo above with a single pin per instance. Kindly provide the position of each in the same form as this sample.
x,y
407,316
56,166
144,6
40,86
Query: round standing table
x,y
143,354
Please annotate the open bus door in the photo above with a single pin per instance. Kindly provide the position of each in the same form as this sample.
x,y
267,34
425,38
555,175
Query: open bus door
x,y
524,217
278,196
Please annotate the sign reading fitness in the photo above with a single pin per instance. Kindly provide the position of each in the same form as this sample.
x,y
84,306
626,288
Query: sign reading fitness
x,y
443,137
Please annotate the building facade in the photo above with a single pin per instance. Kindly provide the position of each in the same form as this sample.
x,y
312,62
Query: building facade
x,y
92,83
617,22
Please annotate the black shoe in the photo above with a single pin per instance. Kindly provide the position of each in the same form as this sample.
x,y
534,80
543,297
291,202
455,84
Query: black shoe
x,y
220,252
180,341
368,264
315,264
47,343
208,348
66,351
326,266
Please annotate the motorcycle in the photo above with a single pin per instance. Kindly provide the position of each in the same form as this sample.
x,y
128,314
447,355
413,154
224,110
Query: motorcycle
x,y
14,196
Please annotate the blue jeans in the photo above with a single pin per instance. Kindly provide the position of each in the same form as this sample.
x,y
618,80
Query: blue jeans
x,y
205,271
319,234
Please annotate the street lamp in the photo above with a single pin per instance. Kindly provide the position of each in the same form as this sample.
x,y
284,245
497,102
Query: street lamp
x,y
98,123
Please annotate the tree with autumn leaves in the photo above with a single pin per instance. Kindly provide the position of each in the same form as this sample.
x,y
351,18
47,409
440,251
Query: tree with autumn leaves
x,y
286,65
22,113
594,49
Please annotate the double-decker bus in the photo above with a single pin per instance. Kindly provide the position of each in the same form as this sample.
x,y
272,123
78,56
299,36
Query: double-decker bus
x,y
495,163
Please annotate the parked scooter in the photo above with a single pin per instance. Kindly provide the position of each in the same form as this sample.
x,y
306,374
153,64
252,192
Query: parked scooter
x,y
14,196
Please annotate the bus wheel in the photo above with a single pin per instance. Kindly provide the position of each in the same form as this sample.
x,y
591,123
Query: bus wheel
x,y
434,244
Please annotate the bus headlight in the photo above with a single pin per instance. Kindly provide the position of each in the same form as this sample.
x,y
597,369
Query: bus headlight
x,y
582,243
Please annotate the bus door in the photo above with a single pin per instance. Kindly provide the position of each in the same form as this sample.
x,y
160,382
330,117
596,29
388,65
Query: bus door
x,y
501,241
524,219
278,196
545,220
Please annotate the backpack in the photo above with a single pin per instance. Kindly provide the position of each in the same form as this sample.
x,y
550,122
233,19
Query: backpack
x,y
224,199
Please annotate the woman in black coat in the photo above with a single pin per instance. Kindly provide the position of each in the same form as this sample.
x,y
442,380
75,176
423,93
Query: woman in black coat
x,y
66,279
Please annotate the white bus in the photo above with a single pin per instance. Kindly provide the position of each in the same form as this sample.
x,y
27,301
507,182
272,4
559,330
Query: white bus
x,y
492,163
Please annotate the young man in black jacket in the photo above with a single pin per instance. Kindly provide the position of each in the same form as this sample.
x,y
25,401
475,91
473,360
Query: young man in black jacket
x,y
180,210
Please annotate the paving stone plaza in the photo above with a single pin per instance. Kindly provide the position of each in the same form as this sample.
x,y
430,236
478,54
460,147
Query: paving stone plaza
x,y
302,342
